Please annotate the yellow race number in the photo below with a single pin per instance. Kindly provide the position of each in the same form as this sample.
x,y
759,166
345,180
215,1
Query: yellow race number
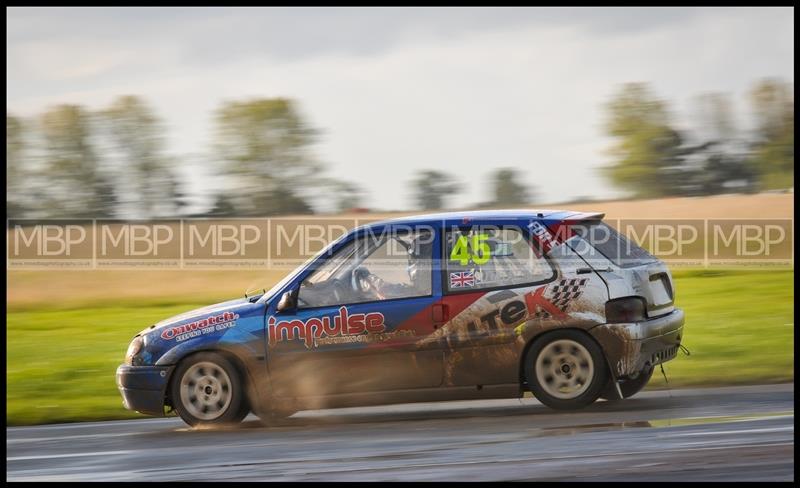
x,y
477,250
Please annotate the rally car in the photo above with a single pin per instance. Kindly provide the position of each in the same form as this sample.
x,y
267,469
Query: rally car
x,y
468,305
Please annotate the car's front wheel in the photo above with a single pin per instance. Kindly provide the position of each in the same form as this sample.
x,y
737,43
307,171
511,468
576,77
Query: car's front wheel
x,y
565,369
206,389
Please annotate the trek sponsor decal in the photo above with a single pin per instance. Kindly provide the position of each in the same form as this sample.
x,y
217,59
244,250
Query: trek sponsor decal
x,y
534,304
204,326
343,327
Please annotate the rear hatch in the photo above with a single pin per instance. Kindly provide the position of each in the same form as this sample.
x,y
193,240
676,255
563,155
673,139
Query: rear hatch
x,y
626,268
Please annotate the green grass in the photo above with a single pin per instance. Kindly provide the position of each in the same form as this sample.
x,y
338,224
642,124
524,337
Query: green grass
x,y
739,328
61,363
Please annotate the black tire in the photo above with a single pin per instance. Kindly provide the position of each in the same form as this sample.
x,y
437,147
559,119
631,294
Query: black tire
x,y
628,387
214,383
587,364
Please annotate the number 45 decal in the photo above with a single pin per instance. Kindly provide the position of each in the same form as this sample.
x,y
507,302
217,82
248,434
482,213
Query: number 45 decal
x,y
478,251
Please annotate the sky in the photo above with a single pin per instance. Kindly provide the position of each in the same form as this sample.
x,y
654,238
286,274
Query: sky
x,y
399,90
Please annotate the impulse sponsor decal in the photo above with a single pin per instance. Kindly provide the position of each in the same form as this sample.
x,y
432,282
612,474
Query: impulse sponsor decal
x,y
342,327
213,323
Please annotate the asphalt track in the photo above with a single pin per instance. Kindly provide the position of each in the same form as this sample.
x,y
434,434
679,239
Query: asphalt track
x,y
722,434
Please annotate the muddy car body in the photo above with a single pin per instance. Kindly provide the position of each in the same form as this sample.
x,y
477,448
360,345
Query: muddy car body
x,y
436,307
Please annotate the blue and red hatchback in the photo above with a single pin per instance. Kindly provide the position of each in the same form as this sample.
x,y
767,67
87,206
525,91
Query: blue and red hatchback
x,y
435,307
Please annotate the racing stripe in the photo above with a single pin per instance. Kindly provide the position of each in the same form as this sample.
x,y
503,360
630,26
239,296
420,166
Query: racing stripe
x,y
421,322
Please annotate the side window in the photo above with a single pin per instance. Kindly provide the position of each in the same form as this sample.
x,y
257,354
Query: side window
x,y
611,244
372,268
488,257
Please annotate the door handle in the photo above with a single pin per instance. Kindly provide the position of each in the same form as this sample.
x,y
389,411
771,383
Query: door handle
x,y
589,270
440,313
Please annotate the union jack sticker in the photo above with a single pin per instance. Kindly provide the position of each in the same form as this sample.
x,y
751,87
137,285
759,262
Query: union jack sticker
x,y
463,279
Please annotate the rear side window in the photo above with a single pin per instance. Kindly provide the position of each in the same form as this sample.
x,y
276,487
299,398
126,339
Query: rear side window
x,y
612,245
484,257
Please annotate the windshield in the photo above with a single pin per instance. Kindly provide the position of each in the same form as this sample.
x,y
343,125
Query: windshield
x,y
332,266
299,269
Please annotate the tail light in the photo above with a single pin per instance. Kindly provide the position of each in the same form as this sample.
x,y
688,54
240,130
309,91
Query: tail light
x,y
627,309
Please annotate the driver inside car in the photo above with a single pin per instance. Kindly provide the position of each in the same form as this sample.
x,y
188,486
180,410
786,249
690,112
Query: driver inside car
x,y
361,273
420,251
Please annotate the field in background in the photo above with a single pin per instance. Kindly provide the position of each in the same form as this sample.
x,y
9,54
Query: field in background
x,y
67,330
68,289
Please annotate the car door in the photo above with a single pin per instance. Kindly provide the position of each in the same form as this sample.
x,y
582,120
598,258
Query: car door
x,y
358,317
490,278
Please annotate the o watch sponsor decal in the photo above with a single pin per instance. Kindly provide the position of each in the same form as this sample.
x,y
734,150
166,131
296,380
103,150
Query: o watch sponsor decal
x,y
213,323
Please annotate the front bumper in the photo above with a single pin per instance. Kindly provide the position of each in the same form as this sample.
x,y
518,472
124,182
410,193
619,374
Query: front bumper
x,y
143,388
635,347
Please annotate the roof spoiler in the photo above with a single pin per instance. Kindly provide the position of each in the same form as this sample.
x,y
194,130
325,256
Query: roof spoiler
x,y
586,216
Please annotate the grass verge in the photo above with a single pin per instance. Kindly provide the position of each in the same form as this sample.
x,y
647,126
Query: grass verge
x,y
61,363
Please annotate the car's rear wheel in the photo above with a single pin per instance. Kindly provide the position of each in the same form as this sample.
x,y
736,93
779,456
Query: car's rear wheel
x,y
565,369
206,389
629,386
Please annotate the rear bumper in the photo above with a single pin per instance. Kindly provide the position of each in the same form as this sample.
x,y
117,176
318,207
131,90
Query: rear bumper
x,y
143,388
631,348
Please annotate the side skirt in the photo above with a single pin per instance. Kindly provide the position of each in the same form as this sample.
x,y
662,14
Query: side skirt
x,y
438,394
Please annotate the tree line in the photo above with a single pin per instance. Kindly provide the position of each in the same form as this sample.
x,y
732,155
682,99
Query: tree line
x,y
651,158
71,162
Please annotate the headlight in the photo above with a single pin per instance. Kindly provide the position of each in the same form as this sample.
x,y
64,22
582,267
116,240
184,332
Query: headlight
x,y
134,349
